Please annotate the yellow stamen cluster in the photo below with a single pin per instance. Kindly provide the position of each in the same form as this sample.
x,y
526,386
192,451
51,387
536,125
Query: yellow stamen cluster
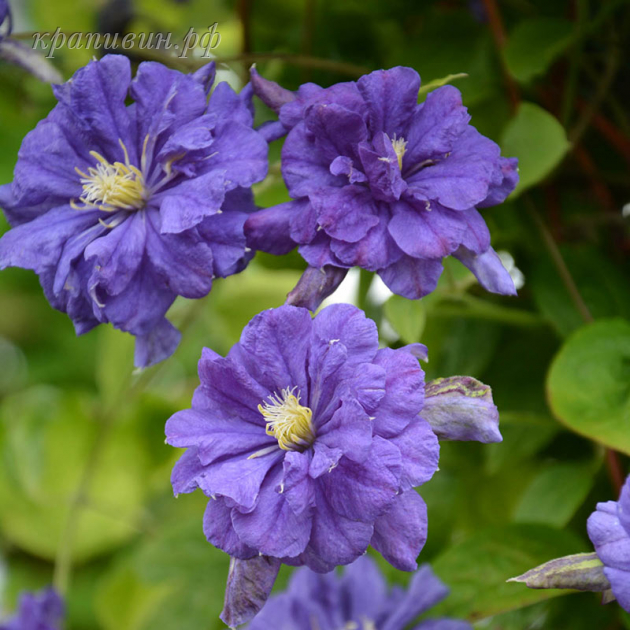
x,y
400,146
112,187
288,421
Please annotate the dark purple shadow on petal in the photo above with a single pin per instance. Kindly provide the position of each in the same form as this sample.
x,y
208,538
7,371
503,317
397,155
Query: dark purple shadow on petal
x,y
249,584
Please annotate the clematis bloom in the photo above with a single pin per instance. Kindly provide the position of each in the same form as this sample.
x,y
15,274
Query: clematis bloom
x,y
119,208
358,599
381,182
609,531
37,611
307,440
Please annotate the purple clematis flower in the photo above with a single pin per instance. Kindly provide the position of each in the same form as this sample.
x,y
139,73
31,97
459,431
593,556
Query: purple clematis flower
x,y
358,599
37,611
119,208
307,440
609,531
21,54
384,183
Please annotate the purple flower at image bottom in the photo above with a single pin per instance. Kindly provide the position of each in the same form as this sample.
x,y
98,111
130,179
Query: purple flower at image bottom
x,y
37,611
609,531
357,599
120,206
381,182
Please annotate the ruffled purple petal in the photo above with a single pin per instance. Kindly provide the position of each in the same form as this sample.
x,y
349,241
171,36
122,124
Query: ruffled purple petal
x,y
435,127
425,232
269,230
461,180
345,213
404,392
304,168
272,527
363,491
412,278
156,345
391,97
400,533
217,527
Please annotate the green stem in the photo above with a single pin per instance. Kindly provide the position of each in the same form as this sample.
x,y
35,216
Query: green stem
x,y
558,261
481,309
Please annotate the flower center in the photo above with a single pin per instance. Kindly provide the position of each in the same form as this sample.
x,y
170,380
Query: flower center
x,y
400,146
288,421
112,187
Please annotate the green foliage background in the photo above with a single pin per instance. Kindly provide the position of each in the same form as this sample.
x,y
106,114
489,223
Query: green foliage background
x,y
554,93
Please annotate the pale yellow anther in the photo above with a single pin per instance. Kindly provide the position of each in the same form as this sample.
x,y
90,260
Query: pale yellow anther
x,y
400,146
112,187
288,421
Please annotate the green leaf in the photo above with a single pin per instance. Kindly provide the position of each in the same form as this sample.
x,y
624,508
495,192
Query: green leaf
x,y
476,569
174,580
555,494
534,44
539,142
589,383
407,317
601,284
46,438
524,435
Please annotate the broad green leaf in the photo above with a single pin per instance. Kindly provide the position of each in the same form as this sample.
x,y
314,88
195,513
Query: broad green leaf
x,y
458,345
476,569
539,142
174,580
524,435
114,364
407,317
602,286
124,601
46,439
555,494
534,44
588,385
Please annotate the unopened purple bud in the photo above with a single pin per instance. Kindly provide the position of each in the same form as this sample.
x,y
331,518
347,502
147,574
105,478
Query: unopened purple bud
x,y
581,572
315,286
249,584
461,408
269,92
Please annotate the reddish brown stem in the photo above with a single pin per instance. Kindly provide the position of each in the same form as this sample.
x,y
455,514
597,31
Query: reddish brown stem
x,y
500,39
615,470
